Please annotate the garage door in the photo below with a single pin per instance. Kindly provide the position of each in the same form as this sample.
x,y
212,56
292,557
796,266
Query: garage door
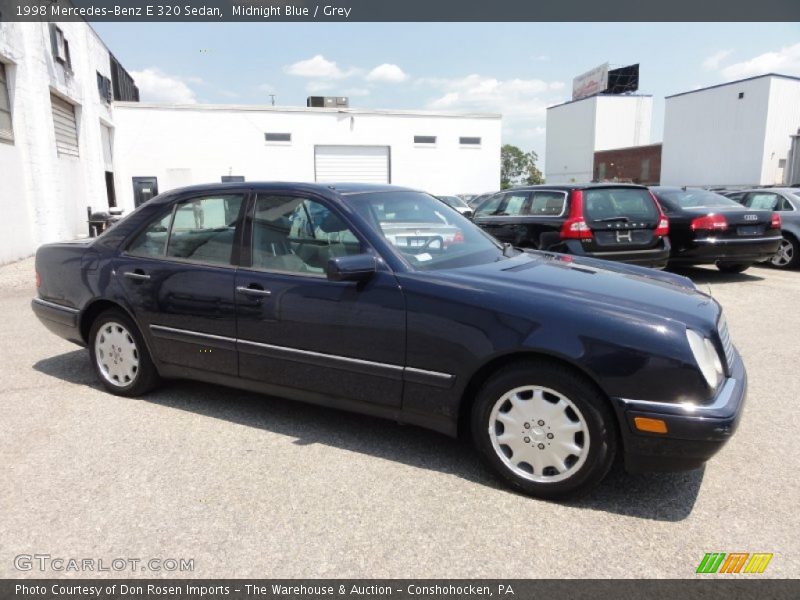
x,y
363,164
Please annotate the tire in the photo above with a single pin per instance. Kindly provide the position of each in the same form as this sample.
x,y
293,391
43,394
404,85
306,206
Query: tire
x,y
119,355
733,267
788,254
565,407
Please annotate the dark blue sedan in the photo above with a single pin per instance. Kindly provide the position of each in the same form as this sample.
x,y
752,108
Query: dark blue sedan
x,y
383,300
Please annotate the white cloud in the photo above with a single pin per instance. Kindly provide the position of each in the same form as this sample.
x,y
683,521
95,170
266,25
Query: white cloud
x,y
318,67
156,86
318,86
388,73
785,61
713,62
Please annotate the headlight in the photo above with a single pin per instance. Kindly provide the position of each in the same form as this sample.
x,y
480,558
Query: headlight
x,y
706,356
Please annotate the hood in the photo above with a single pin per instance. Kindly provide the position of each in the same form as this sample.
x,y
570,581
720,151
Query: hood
x,y
617,286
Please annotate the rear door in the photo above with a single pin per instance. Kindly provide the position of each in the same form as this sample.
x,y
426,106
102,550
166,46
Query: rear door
x,y
621,219
503,218
297,329
178,276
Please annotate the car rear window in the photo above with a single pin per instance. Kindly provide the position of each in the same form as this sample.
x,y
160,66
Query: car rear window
x,y
696,199
609,204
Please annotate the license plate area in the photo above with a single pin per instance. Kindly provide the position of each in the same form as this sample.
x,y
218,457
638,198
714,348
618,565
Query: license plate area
x,y
748,230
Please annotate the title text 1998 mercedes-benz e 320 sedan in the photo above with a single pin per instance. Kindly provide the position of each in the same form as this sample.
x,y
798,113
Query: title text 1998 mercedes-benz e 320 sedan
x,y
383,300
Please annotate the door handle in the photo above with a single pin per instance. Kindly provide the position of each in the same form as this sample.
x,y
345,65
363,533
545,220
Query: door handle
x,y
252,291
138,274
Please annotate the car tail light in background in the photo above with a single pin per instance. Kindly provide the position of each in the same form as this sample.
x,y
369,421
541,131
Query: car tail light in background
x,y
38,280
575,227
458,238
662,228
710,223
775,223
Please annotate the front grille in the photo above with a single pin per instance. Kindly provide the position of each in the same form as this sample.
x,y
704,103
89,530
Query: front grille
x,y
725,338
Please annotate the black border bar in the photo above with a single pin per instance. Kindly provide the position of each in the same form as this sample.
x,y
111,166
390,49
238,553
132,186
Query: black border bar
x,y
401,10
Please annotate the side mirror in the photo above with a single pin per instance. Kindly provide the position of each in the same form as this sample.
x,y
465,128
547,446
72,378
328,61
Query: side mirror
x,y
356,267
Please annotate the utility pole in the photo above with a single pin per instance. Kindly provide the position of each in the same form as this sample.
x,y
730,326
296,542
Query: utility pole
x,y
272,99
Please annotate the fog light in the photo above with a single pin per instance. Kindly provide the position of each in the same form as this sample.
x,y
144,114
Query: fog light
x,y
650,425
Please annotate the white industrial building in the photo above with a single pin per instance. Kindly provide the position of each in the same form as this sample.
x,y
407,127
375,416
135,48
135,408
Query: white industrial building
x,y
733,134
160,147
57,82
579,128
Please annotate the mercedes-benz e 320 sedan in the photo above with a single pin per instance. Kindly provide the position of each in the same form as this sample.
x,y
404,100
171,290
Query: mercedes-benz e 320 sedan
x,y
552,364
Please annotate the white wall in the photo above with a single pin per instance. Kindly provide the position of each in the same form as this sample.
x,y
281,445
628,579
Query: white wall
x,y
576,130
713,137
783,121
45,196
200,143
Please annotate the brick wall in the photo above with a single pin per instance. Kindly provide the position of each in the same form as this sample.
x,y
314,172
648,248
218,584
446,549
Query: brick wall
x,y
637,164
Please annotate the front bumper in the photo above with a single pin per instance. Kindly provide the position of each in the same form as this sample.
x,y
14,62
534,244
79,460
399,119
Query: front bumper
x,y
711,250
694,432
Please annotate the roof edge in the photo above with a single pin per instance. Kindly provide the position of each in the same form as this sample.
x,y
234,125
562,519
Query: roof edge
x,y
719,85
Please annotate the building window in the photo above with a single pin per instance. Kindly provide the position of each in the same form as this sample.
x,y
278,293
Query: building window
x,y
741,95
424,139
104,87
278,137
645,174
124,88
60,46
469,141
601,171
65,125
6,130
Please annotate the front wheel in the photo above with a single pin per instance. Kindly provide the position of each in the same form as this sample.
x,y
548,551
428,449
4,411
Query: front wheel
x,y
119,355
733,267
544,429
788,254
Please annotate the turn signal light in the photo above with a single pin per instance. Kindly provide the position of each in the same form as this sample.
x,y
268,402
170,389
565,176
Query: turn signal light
x,y
775,223
663,226
710,223
650,425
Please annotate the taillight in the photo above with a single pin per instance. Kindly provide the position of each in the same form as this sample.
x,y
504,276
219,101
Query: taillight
x,y
575,227
458,238
710,223
775,223
38,280
662,228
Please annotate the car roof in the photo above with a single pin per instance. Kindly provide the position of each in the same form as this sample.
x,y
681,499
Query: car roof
x,y
343,189
577,186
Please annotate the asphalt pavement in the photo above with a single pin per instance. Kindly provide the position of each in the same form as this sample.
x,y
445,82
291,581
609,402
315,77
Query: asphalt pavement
x,y
253,486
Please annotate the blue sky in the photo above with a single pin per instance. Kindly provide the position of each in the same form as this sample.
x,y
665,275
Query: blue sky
x,y
515,69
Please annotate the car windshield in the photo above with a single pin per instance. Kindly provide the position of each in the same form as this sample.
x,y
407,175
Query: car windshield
x,y
453,201
610,204
423,232
695,199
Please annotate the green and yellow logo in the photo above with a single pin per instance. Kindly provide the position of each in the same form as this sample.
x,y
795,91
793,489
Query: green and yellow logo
x,y
735,562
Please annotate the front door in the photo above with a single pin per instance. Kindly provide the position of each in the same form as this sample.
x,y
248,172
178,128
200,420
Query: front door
x,y
297,329
144,188
178,276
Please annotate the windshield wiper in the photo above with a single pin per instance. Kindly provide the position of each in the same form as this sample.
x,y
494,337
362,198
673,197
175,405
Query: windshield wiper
x,y
611,219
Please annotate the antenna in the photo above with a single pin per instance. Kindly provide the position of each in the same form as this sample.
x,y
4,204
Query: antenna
x,y
272,99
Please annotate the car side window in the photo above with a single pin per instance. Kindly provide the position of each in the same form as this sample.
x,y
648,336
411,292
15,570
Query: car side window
x,y
785,205
203,229
489,206
762,200
153,240
298,235
515,205
548,204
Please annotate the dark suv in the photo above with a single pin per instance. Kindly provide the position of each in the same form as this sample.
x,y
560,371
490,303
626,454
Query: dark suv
x,y
612,221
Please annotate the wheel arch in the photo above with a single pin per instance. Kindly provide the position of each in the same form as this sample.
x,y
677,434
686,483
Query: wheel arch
x,y
93,310
498,362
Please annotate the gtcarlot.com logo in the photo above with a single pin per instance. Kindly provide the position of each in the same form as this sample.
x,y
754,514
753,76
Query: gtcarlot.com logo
x,y
46,562
734,562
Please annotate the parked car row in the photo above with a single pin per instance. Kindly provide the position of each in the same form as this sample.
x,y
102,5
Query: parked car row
x,y
653,227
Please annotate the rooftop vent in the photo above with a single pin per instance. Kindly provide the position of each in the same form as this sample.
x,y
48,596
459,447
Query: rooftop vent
x,y
328,102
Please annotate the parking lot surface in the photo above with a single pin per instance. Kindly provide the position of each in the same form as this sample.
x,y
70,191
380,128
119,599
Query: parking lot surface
x,y
255,486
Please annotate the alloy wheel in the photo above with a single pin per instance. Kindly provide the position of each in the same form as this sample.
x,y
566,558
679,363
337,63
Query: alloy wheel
x,y
539,434
117,354
784,255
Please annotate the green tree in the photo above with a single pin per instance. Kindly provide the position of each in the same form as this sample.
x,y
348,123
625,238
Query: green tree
x,y
518,167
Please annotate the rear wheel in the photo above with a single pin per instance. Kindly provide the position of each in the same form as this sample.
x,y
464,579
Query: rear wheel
x,y
119,355
544,430
788,254
733,267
